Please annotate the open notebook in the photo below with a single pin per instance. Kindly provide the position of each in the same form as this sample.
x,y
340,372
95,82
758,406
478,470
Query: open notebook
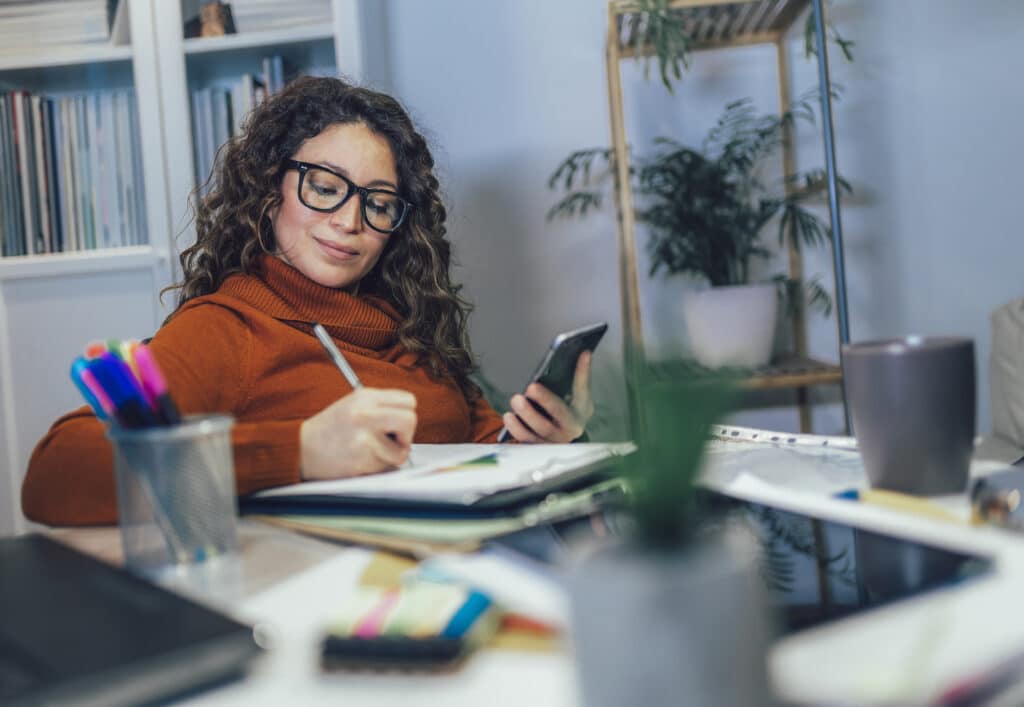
x,y
466,479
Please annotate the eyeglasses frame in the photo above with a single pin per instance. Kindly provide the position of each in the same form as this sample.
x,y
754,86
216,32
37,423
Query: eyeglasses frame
x,y
303,168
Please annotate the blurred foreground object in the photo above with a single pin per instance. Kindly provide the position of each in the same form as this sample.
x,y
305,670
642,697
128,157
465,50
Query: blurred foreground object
x,y
689,594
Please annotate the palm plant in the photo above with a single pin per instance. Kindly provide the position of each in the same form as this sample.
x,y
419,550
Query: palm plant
x,y
706,209
654,24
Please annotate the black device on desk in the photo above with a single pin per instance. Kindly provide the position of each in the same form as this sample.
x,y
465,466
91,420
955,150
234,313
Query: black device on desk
x,y
76,631
815,570
558,366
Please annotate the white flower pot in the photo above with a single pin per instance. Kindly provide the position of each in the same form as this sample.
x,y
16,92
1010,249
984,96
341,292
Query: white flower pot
x,y
731,326
686,628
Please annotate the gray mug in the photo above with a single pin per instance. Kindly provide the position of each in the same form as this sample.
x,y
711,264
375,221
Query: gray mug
x,y
913,405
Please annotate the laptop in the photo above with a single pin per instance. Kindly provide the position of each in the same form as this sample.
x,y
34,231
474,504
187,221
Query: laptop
x,y
76,631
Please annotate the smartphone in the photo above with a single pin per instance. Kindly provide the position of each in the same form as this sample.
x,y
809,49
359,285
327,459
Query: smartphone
x,y
557,367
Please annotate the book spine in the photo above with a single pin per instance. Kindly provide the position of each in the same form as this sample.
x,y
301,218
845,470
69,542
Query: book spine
x,y
138,180
52,172
19,101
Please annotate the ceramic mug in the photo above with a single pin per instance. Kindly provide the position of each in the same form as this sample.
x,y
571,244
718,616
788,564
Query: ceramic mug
x,y
912,403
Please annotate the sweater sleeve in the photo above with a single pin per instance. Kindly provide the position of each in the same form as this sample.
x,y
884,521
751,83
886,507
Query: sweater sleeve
x,y
486,421
204,353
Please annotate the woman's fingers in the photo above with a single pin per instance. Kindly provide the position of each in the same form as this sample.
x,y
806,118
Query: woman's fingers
x,y
581,400
563,422
542,421
366,431
400,422
519,431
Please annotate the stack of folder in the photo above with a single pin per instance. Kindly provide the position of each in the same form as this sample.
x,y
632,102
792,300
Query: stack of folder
x,y
456,497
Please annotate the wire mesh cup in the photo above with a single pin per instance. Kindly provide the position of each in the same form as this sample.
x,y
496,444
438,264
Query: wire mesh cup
x,y
176,492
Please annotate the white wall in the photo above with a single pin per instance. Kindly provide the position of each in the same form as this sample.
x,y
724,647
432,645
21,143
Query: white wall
x,y
505,90
929,132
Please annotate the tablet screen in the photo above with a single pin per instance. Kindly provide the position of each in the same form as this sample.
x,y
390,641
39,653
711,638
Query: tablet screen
x,y
814,570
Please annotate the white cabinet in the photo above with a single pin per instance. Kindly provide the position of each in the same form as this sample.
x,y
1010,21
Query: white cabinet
x,y
51,305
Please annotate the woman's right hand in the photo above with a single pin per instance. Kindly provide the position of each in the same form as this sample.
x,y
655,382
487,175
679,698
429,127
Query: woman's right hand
x,y
367,431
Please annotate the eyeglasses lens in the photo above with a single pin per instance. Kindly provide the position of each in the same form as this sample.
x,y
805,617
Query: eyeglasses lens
x,y
323,190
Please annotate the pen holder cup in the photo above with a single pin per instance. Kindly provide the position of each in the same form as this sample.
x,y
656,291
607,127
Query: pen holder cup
x,y
176,492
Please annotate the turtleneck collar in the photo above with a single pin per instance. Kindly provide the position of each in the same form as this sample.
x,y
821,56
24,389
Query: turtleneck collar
x,y
284,293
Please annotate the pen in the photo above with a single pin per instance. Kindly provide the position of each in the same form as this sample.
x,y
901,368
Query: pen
x,y
346,370
902,502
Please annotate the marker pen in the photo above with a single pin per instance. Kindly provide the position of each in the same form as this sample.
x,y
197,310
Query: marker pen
x,y
113,374
90,389
154,384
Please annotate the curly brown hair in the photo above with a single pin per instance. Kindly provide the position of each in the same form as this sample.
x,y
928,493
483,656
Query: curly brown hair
x,y
233,223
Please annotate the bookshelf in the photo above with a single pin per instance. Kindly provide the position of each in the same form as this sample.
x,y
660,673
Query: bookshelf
x,y
218,64
718,24
51,304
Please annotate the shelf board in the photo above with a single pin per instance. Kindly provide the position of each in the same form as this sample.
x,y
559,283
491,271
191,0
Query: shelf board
x,y
713,24
265,38
785,372
65,55
80,262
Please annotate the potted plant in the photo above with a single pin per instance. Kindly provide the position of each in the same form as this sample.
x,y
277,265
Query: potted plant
x,y
706,211
676,612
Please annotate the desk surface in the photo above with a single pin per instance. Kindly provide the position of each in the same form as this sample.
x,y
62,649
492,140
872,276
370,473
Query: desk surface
x,y
288,585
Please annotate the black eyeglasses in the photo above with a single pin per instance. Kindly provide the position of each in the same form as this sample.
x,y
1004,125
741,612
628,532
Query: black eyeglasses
x,y
322,190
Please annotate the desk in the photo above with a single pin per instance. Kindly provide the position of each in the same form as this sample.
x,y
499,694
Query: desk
x,y
289,584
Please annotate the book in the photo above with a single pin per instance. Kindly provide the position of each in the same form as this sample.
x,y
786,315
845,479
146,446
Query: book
x,y
26,175
120,27
138,181
7,205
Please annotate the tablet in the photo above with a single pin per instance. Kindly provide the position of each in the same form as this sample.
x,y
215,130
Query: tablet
x,y
815,570
76,631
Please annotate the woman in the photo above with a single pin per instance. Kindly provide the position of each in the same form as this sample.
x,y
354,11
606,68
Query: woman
x,y
325,210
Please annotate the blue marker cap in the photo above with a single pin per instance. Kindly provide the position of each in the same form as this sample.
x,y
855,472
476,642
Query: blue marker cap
x,y
79,365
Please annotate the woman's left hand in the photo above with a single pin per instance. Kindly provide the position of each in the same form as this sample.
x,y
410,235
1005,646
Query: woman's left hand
x,y
567,420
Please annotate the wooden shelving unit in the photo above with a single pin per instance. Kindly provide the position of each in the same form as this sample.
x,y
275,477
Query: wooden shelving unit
x,y
716,24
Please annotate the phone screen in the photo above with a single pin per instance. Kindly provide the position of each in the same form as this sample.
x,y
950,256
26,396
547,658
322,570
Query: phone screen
x,y
558,366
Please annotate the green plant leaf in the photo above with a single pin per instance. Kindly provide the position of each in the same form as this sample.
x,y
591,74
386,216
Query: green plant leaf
x,y
675,420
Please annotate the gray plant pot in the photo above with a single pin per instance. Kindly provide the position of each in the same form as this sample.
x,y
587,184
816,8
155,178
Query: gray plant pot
x,y
685,628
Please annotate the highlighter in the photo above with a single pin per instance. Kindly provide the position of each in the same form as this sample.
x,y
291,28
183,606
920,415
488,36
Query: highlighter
x,y
154,384
125,350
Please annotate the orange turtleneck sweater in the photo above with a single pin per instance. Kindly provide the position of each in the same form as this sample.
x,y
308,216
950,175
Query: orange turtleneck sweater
x,y
248,350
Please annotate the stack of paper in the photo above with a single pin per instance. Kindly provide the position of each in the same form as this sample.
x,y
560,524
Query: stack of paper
x,y
260,15
34,24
